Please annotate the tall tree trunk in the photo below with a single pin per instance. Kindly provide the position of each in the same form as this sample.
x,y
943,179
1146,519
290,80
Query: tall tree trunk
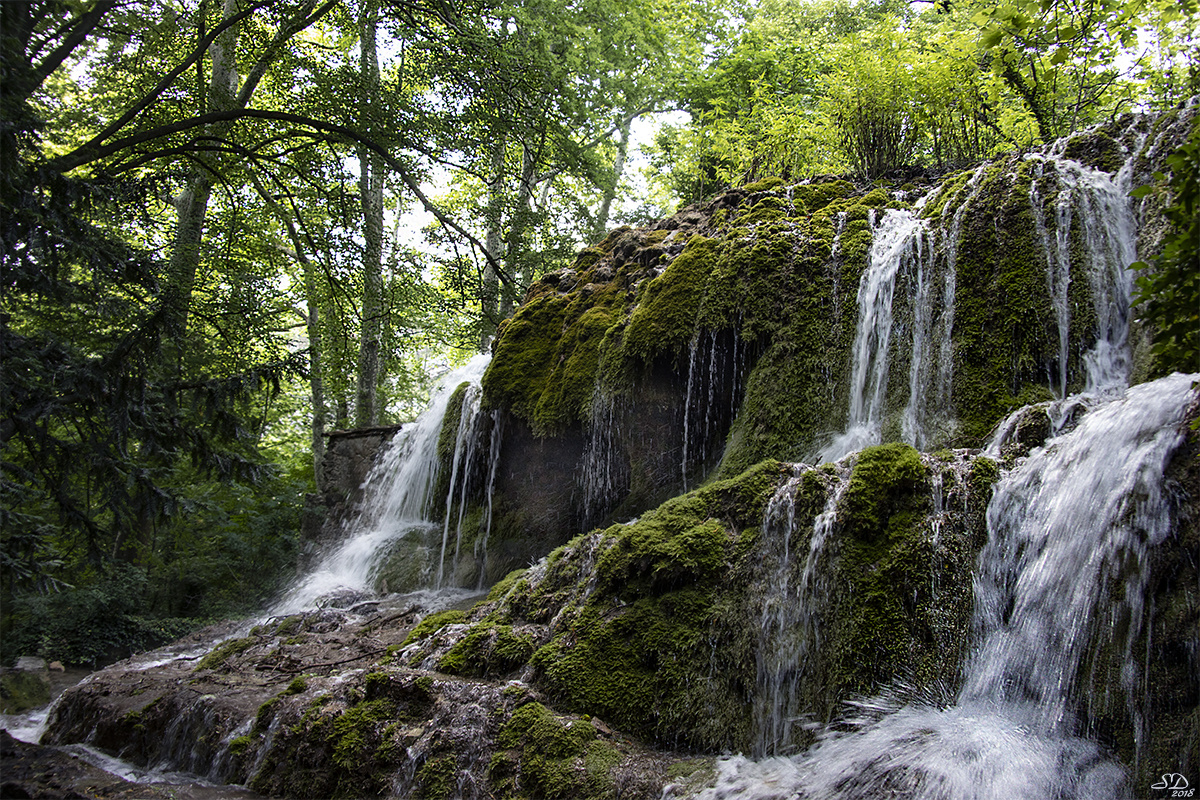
x,y
600,226
515,253
192,203
316,379
370,183
494,242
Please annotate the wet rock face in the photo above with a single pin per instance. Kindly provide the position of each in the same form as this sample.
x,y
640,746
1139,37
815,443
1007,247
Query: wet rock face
x,y
317,705
667,626
48,773
774,271
349,456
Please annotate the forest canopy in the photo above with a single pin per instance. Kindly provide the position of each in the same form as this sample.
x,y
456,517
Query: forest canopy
x,y
206,259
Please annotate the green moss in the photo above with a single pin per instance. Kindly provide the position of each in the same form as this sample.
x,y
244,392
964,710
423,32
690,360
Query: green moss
x,y
264,715
433,623
297,686
640,650
239,745
448,435
552,757
438,778
665,317
895,613
353,731
524,354
545,361
766,210
21,691
533,726
1096,149
375,683
612,238
289,626
568,392
884,479
505,584
224,651
488,650
588,258
1005,329
983,475
764,185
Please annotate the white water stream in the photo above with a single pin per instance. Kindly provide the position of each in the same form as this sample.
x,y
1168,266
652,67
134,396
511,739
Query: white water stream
x,y
895,241
1069,531
1099,204
397,499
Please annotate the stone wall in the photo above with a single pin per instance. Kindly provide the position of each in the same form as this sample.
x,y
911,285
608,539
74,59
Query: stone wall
x,y
349,456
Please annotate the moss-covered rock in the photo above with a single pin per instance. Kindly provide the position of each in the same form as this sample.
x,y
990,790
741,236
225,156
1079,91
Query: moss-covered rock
x,y
21,690
654,626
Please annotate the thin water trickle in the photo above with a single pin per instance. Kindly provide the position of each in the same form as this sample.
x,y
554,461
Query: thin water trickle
x,y
716,360
497,438
893,243
791,608
603,473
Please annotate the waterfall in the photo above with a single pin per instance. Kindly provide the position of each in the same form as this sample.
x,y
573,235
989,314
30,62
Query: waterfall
x,y
1078,516
931,365
398,496
894,241
685,451
464,451
789,628
493,466
604,470
714,369
1063,575
1099,204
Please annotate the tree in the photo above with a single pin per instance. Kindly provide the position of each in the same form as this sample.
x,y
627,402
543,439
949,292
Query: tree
x,y
1062,56
370,182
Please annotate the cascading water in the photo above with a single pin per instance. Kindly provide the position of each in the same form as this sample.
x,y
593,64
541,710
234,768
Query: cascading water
x,y
894,241
1099,204
791,608
493,466
928,408
397,499
464,451
1063,575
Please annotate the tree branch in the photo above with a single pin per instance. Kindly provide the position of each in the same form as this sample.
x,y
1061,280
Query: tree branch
x,y
197,53
82,157
81,28
284,33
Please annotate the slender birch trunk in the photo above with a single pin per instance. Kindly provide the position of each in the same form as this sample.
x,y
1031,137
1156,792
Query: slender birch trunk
x,y
370,185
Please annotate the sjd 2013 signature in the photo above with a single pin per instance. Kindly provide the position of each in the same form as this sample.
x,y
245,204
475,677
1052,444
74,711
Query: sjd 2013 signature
x,y
1176,784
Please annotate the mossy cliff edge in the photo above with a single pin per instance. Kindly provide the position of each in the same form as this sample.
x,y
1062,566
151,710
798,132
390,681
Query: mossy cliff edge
x,y
657,626
723,335
627,658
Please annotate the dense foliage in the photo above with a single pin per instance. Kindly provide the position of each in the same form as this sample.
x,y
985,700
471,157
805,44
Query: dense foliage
x,y
204,254
830,86
1169,289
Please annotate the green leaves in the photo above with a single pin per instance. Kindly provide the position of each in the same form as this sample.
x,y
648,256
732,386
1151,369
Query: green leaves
x,y
1168,286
